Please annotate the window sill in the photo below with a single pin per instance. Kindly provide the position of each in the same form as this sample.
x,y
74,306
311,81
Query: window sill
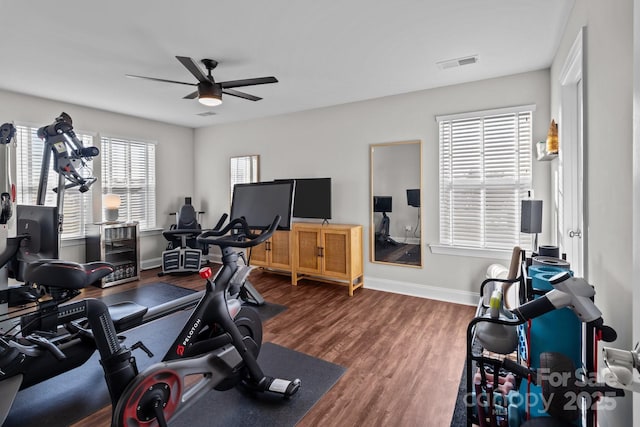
x,y
470,252
151,232
78,241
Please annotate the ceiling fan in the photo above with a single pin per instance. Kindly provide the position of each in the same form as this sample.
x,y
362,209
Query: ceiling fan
x,y
209,91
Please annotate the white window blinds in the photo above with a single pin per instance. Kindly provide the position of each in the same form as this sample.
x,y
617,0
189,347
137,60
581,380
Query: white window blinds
x,y
76,205
244,169
485,172
129,170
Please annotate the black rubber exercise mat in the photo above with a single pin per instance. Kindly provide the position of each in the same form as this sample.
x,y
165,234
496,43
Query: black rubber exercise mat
x,y
237,408
158,293
78,393
149,295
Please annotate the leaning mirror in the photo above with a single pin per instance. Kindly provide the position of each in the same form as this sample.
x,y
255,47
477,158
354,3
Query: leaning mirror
x,y
396,177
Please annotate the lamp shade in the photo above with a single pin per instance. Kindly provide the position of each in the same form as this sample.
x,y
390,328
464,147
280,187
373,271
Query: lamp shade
x,y
210,94
531,216
111,203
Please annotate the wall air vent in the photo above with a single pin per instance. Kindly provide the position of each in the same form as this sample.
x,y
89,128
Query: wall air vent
x,y
206,114
458,62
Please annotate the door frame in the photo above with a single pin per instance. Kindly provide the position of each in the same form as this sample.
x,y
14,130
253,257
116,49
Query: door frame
x,y
572,159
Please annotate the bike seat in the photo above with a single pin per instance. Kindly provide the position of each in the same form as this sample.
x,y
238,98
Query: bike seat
x,y
66,274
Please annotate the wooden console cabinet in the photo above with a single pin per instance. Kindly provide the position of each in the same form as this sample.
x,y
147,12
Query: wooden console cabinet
x,y
330,252
275,253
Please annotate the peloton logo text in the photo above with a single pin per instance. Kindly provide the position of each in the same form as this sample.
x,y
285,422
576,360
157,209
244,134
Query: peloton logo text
x,y
194,328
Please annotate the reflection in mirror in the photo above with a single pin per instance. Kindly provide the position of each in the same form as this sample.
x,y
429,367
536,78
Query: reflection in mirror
x,y
396,177
244,169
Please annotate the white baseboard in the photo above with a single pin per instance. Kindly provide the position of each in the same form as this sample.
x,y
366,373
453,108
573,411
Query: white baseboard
x,y
148,264
393,286
422,291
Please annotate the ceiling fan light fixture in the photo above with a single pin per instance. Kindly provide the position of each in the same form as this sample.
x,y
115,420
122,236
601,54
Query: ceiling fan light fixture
x,y
209,94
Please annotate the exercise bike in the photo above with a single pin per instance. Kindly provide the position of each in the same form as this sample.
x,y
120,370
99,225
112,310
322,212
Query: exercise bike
x,y
220,341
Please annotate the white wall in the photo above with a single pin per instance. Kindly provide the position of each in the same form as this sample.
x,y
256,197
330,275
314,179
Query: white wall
x,y
174,154
335,142
608,157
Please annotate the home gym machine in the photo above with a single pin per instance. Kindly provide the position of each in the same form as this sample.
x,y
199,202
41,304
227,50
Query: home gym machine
x,y
52,335
183,253
7,220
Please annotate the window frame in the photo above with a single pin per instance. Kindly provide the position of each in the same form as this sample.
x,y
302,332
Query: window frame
x,y
520,182
149,212
249,174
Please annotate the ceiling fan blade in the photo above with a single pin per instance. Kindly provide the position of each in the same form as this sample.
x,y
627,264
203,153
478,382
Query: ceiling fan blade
x,y
192,95
248,82
193,68
241,94
160,80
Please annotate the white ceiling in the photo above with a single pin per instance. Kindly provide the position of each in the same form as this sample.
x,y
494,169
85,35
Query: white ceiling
x,y
322,52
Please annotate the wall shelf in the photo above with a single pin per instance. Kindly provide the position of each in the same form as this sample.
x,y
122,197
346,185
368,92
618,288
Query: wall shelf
x,y
545,157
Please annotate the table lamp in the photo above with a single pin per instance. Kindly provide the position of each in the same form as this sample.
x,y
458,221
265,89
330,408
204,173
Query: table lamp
x,y
111,204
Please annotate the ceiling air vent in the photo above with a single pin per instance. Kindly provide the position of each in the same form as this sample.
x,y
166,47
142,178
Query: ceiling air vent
x,y
458,62
206,113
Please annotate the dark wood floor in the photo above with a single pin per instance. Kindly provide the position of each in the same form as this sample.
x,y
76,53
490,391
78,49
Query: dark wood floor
x,y
404,355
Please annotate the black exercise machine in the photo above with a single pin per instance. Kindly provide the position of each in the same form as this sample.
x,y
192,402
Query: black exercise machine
x,y
220,342
383,204
52,335
183,253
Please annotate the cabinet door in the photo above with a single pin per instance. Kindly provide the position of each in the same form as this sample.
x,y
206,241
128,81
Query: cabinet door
x,y
280,250
259,254
336,253
307,243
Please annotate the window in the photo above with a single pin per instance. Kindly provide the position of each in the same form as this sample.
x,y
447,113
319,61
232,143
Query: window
x,y
76,205
485,172
244,169
129,170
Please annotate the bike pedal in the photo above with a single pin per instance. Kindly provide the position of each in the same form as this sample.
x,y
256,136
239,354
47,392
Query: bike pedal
x,y
142,347
286,388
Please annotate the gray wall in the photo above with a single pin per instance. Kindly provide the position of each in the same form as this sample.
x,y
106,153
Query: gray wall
x,y
608,48
335,142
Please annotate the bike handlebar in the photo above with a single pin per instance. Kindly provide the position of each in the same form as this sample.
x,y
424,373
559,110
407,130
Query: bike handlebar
x,y
245,239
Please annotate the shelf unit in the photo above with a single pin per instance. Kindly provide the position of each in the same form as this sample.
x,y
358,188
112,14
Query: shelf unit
x,y
116,243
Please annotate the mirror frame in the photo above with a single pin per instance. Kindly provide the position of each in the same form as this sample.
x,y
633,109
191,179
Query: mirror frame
x,y
372,230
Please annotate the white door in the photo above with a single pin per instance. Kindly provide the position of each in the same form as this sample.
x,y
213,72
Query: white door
x,y
571,234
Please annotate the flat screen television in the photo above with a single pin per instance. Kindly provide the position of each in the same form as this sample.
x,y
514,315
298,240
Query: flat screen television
x,y
413,197
312,198
260,202
382,203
